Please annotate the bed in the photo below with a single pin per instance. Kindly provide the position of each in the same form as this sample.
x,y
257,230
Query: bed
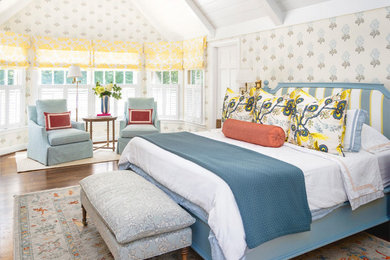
x,y
331,221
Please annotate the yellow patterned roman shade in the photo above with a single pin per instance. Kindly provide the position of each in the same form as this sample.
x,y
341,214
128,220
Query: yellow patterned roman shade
x,y
61,52
164,55
194,53
117,54
13,49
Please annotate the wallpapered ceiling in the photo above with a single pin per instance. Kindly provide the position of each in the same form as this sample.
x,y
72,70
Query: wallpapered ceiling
x,y
97,19
351,48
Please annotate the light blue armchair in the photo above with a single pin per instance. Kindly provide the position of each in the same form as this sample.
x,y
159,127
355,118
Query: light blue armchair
x,y
55,146
126,132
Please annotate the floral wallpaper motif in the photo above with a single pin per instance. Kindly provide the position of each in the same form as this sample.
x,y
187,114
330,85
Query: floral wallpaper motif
x,y
97,19
353,48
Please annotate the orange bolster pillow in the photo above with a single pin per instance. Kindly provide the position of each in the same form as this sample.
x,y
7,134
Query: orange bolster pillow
x,y
264,135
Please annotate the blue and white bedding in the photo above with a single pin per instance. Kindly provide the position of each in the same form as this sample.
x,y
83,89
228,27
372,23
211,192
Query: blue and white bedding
x,y
269,193
330,180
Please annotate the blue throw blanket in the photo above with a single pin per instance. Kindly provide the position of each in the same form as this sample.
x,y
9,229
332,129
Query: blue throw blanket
x,y
270,193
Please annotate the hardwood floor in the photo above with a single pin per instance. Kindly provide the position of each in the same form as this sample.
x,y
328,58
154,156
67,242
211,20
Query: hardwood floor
x,y
12,183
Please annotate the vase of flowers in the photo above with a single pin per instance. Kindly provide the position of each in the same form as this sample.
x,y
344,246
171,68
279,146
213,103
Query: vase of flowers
x,y
105,92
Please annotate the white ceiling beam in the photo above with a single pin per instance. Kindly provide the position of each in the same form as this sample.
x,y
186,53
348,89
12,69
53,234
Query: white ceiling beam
x,y
274,11
322,10
9,8
202,17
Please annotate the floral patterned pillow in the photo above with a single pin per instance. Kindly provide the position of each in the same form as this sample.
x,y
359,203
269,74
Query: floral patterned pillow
x,y
237,106
273,110
319,124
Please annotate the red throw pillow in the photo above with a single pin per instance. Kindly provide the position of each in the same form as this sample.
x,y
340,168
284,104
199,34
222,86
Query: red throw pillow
x,y
140,116
264,135
56,121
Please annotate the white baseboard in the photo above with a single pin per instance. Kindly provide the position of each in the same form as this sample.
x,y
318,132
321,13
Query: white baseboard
x,y
12,149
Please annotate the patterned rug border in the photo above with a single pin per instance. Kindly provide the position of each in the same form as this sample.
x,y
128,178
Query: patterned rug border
x,y
15,231
43,191
18,231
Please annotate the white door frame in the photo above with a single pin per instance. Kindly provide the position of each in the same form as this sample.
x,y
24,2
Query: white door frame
x,y
213,74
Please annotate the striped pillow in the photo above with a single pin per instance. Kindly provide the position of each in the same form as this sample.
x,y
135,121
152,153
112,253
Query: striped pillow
x,y
353,129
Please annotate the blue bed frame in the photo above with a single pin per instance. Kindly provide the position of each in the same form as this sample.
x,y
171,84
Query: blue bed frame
x,y
340,223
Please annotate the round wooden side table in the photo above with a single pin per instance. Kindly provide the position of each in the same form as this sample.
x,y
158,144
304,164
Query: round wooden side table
x,y
108,119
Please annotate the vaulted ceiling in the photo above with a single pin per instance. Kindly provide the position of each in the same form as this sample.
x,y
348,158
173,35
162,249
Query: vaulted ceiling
x,y
155,20
90,19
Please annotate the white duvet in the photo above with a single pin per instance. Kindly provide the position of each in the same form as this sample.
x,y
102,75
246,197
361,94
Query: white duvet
x,y
330,180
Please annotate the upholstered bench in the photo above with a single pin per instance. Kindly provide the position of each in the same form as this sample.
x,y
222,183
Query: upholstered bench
x,y
135,218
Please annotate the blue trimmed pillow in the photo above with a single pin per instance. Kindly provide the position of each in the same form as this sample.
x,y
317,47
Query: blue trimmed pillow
x,y
353,129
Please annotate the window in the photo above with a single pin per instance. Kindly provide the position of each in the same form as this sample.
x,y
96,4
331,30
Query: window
x,y
11,98
193,96
164,88
126,79
54,84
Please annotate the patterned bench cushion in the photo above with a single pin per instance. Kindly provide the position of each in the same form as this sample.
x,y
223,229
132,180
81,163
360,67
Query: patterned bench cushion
x,y
140,249
133,208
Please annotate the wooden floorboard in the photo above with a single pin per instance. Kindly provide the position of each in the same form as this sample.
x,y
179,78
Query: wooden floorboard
x,y
12,183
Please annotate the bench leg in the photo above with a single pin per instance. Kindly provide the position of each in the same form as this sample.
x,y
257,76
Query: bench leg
x,y
84,216
184,253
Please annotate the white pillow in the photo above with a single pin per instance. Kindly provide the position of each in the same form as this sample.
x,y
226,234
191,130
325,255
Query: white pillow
x,y
353,129
373,141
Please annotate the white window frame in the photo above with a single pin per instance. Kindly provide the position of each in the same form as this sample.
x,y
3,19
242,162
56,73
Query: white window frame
x,y
93,100
162,115
64,87
192,87
116,110
20,79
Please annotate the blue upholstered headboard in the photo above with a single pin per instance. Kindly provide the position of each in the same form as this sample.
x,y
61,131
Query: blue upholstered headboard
x,y
374,98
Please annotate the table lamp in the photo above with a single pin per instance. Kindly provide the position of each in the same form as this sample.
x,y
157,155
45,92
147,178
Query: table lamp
x,y
75,72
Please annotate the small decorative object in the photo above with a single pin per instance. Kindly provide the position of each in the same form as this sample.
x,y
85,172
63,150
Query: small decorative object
x,y
258,84
105,92
245,76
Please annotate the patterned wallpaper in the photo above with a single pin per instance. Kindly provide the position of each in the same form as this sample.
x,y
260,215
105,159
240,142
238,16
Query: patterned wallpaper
x,y
351,48
97,19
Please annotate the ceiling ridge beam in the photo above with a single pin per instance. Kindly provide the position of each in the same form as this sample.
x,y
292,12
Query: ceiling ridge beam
x,y
202,17
274,11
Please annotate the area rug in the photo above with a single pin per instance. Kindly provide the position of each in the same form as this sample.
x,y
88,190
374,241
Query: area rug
x,y
24,164
47,225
